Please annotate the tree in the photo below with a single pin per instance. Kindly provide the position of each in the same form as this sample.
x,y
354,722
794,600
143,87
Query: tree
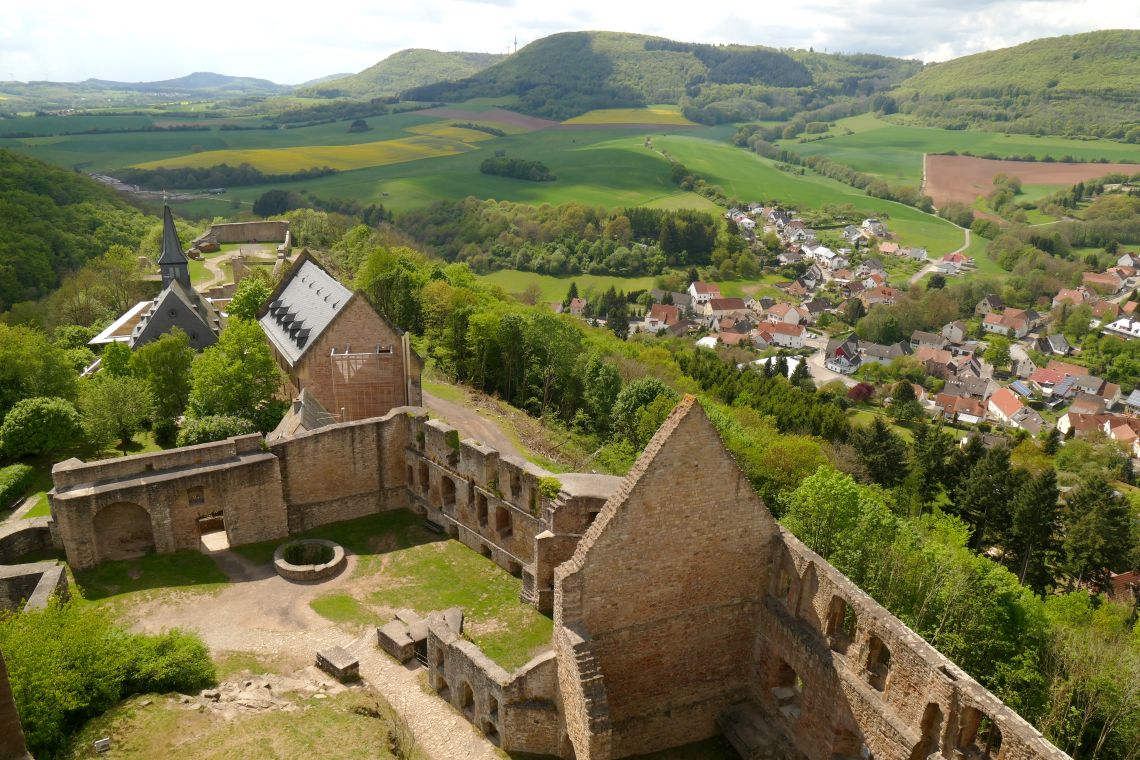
x,y
802,375
997,351
601,385
250,296
1034,520
114,407
904,402
213,428
571,294
617,319
272,203
30,365
881,452
853,311
164,365
39,426
984,495
1098,531
930,452
937,281
116,359
237,376
631,400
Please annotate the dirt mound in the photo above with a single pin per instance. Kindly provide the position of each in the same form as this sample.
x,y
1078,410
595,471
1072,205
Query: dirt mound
x,y
964,178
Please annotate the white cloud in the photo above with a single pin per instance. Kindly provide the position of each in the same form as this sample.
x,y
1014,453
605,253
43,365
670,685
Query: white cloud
x,y
134,40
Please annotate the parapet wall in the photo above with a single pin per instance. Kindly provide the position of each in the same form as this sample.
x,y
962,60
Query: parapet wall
x,y
270,231
838,675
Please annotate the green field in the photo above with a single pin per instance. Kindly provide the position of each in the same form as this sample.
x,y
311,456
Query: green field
x,y
750,177
554,288
894,152
663,115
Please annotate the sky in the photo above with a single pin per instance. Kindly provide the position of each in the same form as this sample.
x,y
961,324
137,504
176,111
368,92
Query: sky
x,y
129,40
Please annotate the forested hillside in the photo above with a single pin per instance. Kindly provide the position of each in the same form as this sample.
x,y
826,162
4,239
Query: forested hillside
x,y
54,221
401,71
567,74
1081,84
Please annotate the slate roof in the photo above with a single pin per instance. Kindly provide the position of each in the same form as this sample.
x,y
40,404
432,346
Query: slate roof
x,y
304,305
1133,399
178,306
171,246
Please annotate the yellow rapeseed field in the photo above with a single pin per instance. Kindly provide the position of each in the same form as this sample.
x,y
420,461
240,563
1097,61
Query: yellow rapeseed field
x,y
444,129
340,157
664,115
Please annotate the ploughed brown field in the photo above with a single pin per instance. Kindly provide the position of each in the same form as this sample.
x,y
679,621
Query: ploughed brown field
x,y
964,178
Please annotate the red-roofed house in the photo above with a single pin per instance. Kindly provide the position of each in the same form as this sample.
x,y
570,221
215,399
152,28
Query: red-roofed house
x,y
783,335
962,408
1103,282
1007,324
734,338
784,313
1071,296
1004,405
577,306
725,307
882,294
661,315
1066,368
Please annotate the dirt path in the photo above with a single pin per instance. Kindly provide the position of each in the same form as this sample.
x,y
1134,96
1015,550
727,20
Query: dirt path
x,y
930,267
263,613
218,275
470,423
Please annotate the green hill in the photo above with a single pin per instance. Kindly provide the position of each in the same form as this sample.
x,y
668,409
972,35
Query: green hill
x,y
54,221
1082,84
402,71
567,74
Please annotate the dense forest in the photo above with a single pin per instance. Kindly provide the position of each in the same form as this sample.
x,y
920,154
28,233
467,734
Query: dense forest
x,y
1081,84
566,74
54,221
569,239
401,71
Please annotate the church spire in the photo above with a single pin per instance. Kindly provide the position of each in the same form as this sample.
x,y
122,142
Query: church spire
x,y
173,262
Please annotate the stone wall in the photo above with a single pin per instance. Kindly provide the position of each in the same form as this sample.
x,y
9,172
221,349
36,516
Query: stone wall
x,y
20,537
516,711
666,587
120,508
11,734
344,471
31,586
269,231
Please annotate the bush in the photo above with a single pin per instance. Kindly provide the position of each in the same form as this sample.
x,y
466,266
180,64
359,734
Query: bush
x,y
69,663
216,427
549,487
40,425
518,168
14,481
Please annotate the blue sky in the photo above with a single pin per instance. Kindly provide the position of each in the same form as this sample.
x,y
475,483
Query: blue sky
x,y
69,40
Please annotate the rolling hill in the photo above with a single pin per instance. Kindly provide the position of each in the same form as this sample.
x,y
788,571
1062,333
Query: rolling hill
x,y
567,74
1081,84
401,71
100,93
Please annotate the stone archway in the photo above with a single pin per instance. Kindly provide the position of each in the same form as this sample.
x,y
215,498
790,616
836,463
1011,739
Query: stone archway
x,y
123,530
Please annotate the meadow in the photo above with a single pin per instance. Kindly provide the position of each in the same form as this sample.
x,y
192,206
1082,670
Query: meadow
x,y
894,151
553,289
663,115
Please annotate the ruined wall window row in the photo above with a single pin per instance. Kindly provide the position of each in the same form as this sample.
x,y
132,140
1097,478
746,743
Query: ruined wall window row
x,y
878,663
842,624
787,688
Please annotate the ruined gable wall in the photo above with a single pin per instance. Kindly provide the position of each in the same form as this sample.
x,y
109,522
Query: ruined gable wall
x,y
377,387
11,734
345,471
914,701
666,587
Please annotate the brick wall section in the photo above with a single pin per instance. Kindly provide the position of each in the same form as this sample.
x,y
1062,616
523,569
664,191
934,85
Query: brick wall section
x,y
669,635
379,383
11,734
344,471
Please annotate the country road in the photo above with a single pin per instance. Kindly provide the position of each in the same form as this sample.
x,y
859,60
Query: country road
x,y
930,267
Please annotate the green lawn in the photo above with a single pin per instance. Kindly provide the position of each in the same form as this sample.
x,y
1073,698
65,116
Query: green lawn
x,y
554,288
119,580
894,152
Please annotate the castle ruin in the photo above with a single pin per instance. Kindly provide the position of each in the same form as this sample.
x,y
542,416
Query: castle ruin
x,y
681,608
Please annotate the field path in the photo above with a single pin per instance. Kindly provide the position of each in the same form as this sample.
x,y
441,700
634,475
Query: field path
x,y
930,267
471,424
264,613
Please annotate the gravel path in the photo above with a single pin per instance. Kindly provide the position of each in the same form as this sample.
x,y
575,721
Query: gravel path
x,y
263,613
470,423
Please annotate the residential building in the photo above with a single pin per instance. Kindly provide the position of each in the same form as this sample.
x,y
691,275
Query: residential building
x,y
961,408
1103,282
577,307
703,292
880,354
989,304
1126,327
1071,296
718,308
842,355
955,332
1053,344
783,335
785,313
918,339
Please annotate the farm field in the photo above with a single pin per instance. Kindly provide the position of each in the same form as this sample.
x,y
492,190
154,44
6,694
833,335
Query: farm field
x,y
748,176
663,115
339,157
964,178
894,152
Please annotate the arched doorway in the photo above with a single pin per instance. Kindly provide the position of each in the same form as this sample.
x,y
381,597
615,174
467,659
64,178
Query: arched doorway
x,y
123,530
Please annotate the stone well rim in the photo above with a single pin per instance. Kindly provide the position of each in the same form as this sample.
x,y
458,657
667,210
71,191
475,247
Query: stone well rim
x,y
319,571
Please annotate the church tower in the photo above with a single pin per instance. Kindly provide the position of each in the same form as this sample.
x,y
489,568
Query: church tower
x,y
173,262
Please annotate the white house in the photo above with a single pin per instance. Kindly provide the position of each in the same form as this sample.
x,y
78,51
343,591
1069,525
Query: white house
x,y
703,292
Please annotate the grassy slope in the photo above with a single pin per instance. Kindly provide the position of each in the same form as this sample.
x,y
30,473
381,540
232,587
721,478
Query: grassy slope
x,y
554,288
403,70
894,152
749,177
